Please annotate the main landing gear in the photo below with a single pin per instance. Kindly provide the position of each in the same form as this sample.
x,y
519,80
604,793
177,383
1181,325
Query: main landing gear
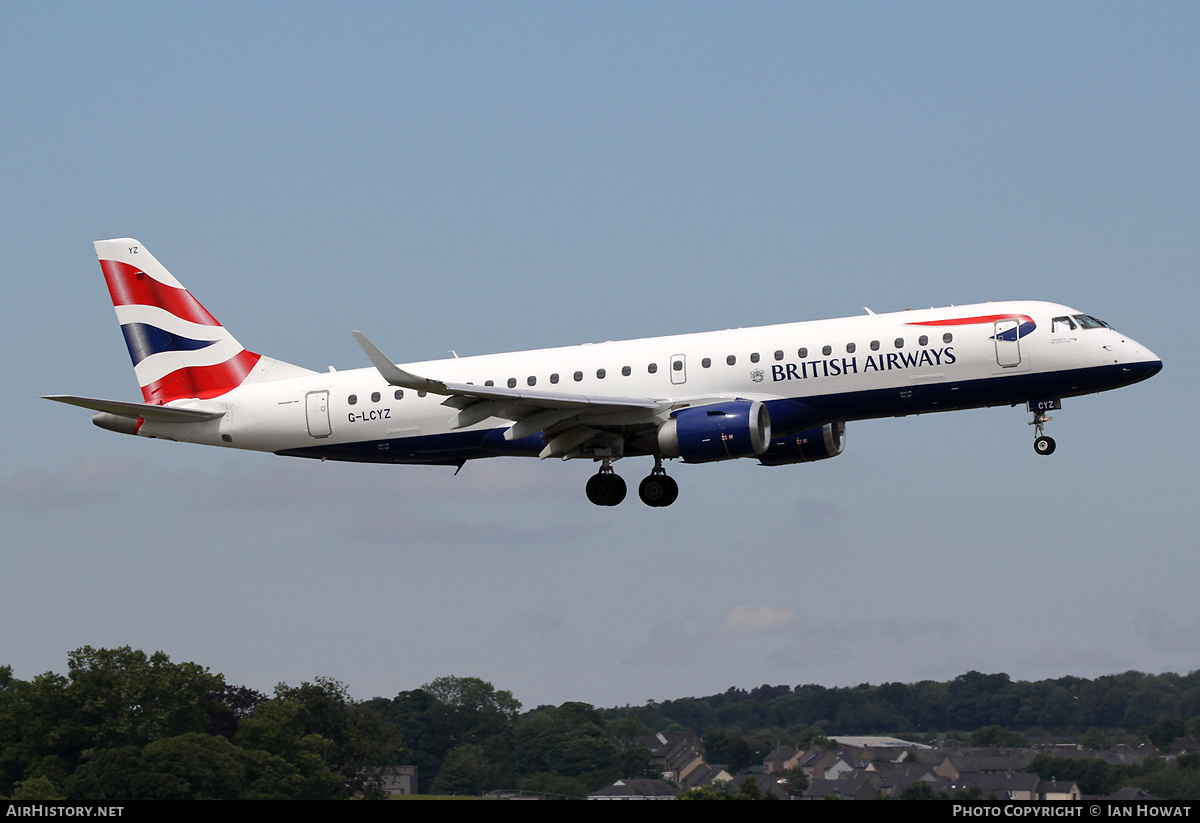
x,y
1041,443
657,489
606,488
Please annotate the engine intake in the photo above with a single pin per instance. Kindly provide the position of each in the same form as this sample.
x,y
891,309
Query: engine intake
x,y
720,431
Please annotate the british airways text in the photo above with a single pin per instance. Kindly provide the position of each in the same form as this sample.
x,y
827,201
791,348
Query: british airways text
x,y
873,362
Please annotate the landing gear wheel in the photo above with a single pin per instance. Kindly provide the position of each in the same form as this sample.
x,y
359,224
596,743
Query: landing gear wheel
x,y
606,488
1041,443
1044,445
672,491
658,490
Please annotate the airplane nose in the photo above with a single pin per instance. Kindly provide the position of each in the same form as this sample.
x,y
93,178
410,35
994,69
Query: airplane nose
x,y
1146,366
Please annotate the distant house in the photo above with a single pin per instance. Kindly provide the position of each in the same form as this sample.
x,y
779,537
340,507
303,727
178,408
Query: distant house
x,y
1004,785
636,790
1131,793
781,759
1059,790
398,780
876,742
862,786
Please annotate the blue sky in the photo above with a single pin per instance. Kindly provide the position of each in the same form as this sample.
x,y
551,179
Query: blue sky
x,y
492,177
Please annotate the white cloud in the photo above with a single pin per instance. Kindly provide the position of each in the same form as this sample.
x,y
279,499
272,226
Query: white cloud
x,y
741,621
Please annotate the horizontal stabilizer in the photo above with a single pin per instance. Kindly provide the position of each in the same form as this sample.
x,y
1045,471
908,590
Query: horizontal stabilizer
x,y
158,414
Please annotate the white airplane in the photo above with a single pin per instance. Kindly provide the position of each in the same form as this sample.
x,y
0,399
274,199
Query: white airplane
x,y
778,394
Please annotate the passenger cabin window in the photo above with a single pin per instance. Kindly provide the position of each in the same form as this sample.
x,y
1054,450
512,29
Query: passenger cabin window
x,y
554,377
531,380
874,345
779,354
827,350
706,362
947,338
677,365
578,376
626,371
399,395
803,353
731,359
422,393
600,374
753,357
374,397
851,348
489,382
512,382
352,399
899,342
652,368
923,340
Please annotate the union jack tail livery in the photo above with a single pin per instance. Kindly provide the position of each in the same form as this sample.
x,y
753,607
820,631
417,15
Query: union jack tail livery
x,y
178,349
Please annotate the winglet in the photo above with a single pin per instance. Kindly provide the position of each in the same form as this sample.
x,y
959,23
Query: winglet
x,y
395,375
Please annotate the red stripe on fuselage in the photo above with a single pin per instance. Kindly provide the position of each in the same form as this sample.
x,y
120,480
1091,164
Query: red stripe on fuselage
x,y
129,286
201,381
967,321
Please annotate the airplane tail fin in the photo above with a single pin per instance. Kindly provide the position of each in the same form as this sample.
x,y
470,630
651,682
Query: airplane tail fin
x,y
178,349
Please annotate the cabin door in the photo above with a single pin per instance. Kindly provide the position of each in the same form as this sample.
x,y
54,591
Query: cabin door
x,y
1008,344
318,413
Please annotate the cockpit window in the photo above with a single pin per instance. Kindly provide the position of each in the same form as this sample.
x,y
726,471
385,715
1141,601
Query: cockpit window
x,y
1086,321
1062,324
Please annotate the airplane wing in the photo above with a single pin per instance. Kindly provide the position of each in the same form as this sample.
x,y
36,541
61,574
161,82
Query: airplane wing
x,y
566,420
160,414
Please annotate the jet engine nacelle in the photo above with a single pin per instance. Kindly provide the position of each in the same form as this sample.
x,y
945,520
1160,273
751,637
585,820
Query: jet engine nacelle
x,y
720,431
814,444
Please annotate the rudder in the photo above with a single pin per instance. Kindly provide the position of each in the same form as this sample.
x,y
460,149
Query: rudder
x,y
178,349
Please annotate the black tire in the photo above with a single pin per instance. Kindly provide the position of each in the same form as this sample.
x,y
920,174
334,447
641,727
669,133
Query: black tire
x,y
658,490
652,490
606,489
1044,445
672,491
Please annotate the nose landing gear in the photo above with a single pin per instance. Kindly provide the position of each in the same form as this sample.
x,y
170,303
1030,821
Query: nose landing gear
x,y
1041,443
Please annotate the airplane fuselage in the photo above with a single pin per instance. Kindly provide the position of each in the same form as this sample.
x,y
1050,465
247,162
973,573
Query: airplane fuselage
x,y
807,374
779,394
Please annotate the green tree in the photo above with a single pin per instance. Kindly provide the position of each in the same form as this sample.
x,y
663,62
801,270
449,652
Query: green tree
x,y
1164,732
713,791
921,790
449,712
995,736
467,770
37,788
748,790
110,698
